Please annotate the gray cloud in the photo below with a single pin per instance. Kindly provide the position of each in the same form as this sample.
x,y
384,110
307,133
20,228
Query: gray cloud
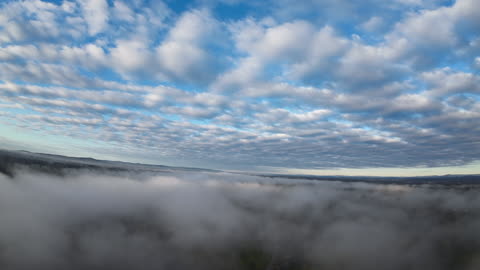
x,y
200,220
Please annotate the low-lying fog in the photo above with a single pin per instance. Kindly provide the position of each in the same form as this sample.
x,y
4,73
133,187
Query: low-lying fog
x,y
201,220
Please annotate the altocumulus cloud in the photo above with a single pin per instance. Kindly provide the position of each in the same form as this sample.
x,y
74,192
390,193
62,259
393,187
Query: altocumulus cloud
x,y
309,84
199,220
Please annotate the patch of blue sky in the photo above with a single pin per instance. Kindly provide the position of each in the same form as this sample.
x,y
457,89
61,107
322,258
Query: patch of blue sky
x,y
179,6
201,122
167,116
473,96
457,66
56,2
185,86
107,74
337,120
235,11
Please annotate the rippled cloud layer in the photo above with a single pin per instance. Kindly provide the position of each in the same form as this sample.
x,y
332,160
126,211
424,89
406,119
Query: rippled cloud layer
x,y
231,84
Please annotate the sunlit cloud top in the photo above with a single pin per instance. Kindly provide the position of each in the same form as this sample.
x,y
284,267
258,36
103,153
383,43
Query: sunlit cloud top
x,y
304,85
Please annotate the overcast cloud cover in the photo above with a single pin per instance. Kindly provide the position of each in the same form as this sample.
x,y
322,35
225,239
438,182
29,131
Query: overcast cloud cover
x,y
300,84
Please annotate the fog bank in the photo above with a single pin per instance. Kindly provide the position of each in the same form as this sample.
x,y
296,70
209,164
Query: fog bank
x,y
202,220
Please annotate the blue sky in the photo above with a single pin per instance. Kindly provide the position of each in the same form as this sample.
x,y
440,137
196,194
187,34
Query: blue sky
x,y
311,86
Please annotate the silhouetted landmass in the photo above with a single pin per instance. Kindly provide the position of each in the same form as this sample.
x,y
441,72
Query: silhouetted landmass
x,y
418,180
61,165
57,164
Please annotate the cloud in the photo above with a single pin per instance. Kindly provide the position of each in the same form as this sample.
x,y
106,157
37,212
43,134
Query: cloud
x,y
96,13
123,12
427,48
127,220
130,56
276,116
184,55
302,51
310,84
373,24
446,82
43,73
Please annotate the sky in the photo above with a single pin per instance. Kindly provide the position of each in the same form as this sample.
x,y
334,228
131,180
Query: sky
x,y
346,87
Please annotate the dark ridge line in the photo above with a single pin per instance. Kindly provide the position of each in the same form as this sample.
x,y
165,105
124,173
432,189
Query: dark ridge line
x,y
57,164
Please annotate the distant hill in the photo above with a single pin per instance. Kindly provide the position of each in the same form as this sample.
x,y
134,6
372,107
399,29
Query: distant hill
x,y
59,165
449,179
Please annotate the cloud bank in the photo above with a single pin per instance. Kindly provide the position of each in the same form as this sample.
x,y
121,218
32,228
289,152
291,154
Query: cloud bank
x,y
201,220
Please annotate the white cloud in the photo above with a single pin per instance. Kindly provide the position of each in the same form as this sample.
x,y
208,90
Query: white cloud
x,y
13,52
96,14
123,12
430,35
298,47
286,41
320,55
446,81
182,60
12,32
283,116
243,76
418,28
373,24
259,83
412,103
42,73
363,65
130,56
193,27
182,55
